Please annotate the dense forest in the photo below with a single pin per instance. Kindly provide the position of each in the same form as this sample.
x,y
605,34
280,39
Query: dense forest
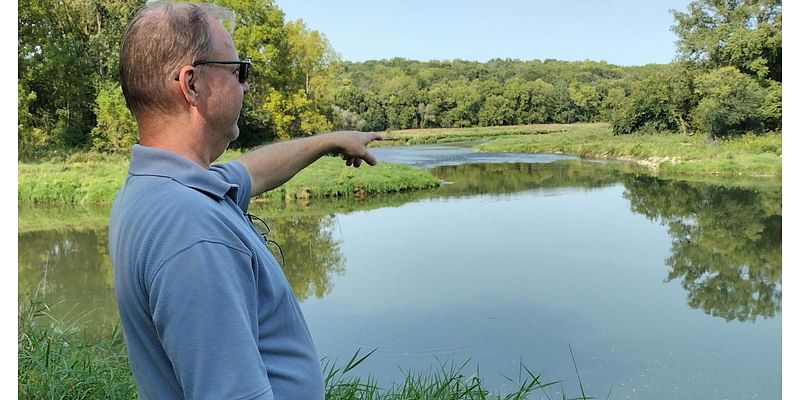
x,y
725,80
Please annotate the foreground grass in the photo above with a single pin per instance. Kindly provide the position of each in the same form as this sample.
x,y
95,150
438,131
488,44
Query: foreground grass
x,y
94,179
56,361
749,155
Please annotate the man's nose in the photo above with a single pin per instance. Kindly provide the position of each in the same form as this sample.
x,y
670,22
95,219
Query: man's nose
x,y
246,87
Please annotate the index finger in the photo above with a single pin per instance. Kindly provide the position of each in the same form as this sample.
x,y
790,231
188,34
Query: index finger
x,y
370,159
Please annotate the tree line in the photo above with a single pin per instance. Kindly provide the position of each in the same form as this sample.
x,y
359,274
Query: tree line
x,y
726,79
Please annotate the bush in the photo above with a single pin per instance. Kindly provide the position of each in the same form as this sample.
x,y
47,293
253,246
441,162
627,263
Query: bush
x,y
772,110
116,129
660,102
730,102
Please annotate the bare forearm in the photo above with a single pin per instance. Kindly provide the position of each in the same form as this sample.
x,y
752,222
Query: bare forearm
x,y
273,165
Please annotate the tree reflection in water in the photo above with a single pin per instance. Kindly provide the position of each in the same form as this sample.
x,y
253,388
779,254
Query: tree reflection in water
x,y
72,270
312,255
726,243
726,240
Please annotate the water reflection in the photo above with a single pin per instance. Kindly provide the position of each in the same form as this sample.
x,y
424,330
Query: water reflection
x,y
726,240
726,243
312,256
71,270
472,179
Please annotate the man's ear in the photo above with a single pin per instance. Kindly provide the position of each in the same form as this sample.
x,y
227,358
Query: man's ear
x,y
186,81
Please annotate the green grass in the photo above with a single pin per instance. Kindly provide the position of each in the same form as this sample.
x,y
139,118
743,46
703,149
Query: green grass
x,y
452,135
92,179
749,155
448,381
329,177
87,179
57,361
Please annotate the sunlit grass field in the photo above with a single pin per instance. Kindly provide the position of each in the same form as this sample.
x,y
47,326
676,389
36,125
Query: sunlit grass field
x,y
747,155
90,178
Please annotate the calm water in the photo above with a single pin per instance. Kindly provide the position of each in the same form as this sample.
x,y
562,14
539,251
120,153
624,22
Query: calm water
x,y
664,289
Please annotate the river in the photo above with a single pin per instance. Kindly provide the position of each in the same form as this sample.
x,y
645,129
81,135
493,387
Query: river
x,y
661,288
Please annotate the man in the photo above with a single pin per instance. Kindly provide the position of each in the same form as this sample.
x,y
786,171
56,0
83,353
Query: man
x,y
206,310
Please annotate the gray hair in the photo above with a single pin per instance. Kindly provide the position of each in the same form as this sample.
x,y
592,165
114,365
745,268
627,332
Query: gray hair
x,y
162,38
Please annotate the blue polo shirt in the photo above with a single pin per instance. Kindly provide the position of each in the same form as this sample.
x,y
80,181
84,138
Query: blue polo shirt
x,y
206,310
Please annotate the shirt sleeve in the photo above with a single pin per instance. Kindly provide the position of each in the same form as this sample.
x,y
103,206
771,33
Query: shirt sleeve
x,y
234,172
203,303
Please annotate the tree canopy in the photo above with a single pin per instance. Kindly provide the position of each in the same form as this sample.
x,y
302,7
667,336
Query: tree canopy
x,y
726,79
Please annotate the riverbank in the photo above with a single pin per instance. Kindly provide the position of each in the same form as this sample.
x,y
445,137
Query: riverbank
x,y
673,154
91,178
86,179
56,360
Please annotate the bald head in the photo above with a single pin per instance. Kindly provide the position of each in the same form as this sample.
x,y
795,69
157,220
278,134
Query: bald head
x,y
162,38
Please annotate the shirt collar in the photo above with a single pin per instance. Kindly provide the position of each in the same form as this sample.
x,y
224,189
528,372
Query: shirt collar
x,y
151,161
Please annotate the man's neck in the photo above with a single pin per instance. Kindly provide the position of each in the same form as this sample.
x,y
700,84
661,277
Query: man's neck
x,y
179,137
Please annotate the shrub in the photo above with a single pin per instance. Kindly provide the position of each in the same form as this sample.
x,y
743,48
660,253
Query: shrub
x,y
116,129
730,102
659,102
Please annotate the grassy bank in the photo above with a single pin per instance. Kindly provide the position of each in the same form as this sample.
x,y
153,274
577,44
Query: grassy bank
x,y
56,361
95,179
89,178
672,154
452,135
748,155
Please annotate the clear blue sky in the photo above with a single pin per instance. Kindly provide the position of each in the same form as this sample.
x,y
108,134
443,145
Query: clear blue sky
x,y
623,32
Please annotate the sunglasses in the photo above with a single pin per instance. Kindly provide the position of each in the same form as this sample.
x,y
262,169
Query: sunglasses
x,y
244,67
263,229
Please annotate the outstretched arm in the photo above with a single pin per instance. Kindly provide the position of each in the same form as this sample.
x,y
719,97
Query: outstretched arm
x,y
272,165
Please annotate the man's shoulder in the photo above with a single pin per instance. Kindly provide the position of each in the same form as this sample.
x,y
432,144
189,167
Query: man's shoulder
x,y
157,218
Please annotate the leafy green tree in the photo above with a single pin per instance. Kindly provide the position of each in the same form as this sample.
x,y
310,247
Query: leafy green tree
x,y
660,102
289,94
459,93
315,60
349,97
563,110
260,36
427,114
495,111
772,109
29,136
745,34
586,100
730,102
611,101
348,120
116,130
313,55
465,100
65,48
375,113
